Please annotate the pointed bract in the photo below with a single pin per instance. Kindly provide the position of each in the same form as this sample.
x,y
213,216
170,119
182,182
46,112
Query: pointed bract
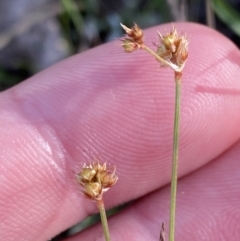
x,y
135,33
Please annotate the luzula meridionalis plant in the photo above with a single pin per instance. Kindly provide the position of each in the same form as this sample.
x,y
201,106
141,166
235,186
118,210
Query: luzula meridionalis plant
x,y
95,179
172,51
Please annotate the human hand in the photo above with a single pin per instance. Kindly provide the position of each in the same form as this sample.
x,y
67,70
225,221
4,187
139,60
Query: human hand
x,y
120,107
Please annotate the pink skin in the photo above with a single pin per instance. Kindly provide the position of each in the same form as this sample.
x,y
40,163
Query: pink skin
x,y
119,106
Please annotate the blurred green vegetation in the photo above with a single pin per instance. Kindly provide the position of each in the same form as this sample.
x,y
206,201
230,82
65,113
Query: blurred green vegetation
x,y
228,15
88,23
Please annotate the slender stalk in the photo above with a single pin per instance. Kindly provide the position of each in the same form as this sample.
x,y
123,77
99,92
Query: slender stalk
x,y
158,58
103,216
178,76
172,52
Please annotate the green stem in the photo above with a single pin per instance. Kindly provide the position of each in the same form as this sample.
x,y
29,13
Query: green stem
x,y
178,76
103,216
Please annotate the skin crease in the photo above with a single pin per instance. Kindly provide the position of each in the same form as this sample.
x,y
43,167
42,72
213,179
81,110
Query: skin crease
x,y
119,106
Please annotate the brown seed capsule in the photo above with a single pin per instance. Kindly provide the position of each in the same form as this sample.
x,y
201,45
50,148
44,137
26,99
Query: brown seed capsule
x,y
182,51
86,174
129,45
107,179
96,178
93,190
135,33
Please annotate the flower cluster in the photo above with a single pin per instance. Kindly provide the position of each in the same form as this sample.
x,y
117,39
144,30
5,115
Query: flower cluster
x,y
173,48
96,178
134,40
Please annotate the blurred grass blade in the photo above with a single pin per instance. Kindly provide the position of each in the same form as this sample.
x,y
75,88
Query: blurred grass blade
x,y
227,14
72,9
210,14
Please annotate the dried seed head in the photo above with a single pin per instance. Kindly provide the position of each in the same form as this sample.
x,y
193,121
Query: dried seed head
x,y
96,178
135,33
169,41
129,45
173,48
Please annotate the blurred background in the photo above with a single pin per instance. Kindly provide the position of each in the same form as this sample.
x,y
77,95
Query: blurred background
x,y
36,34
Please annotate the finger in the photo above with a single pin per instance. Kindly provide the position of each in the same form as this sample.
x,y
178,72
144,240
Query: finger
x,y
120,107
207,207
